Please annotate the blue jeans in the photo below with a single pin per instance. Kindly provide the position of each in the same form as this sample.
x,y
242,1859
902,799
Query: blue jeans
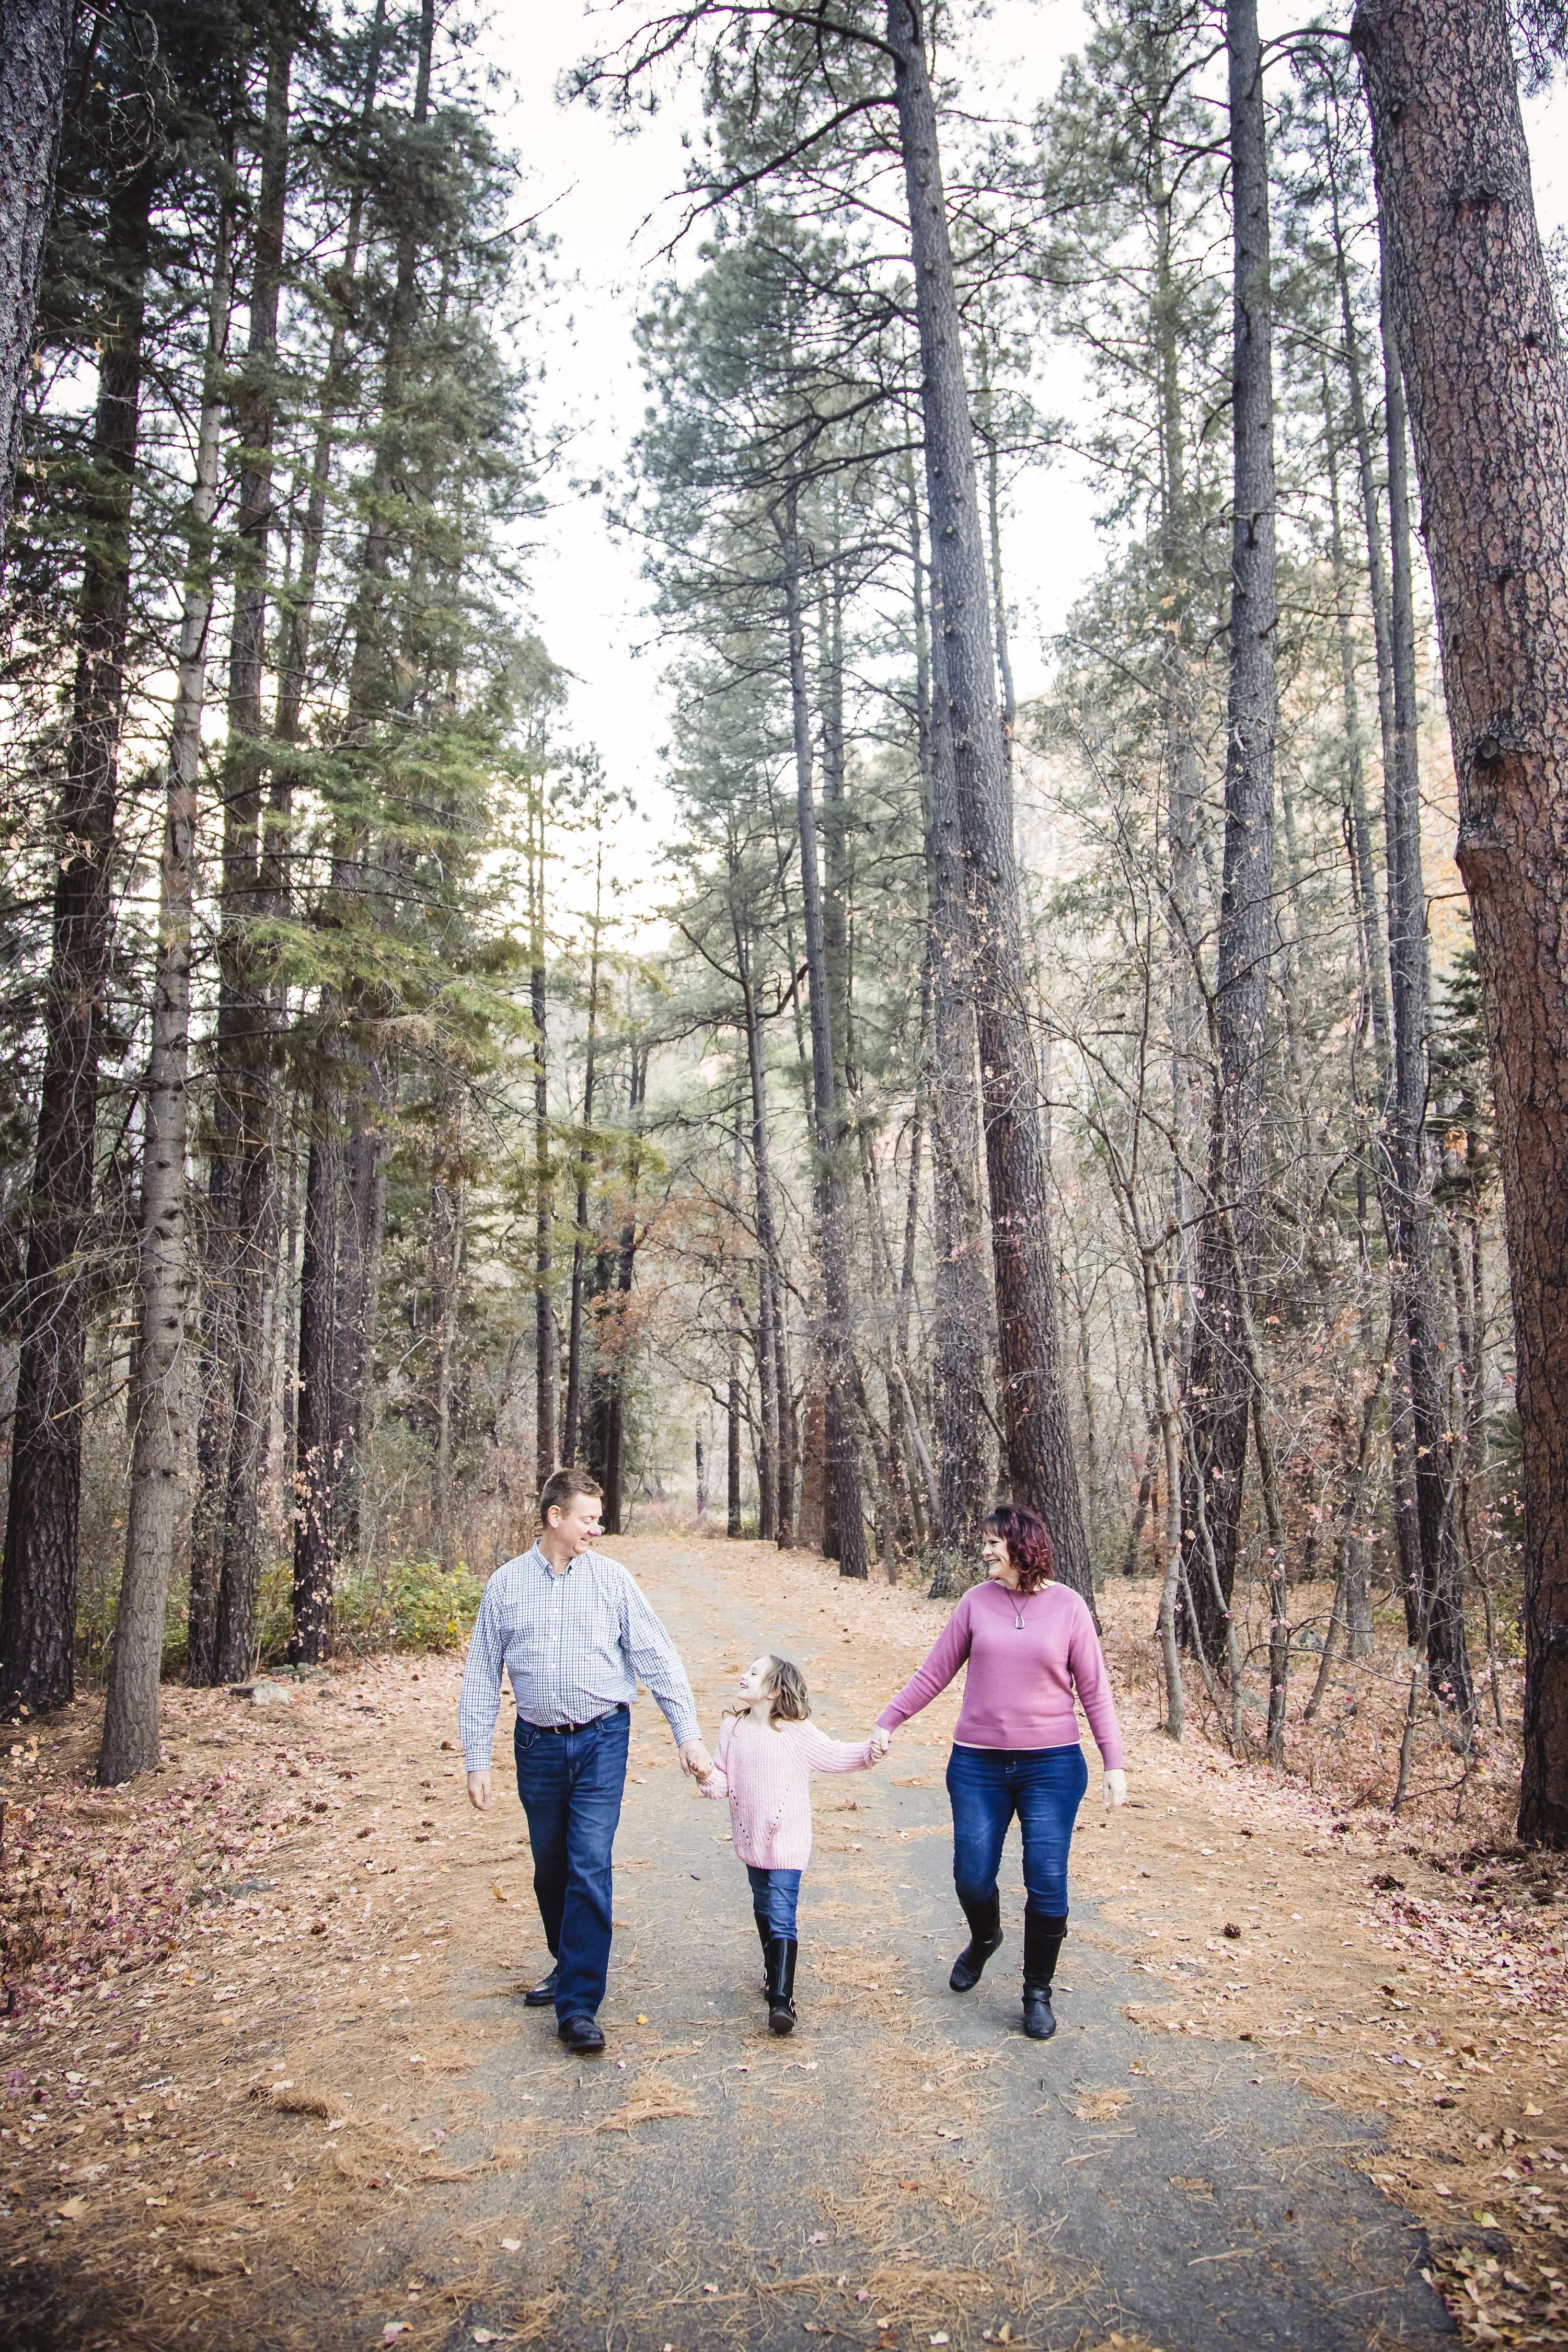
x,y
571,1785
1044,1785
775,1894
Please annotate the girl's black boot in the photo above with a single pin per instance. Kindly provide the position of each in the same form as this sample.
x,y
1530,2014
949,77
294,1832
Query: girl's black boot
x,y
765,1937
984,1938
1043,1940
781,1950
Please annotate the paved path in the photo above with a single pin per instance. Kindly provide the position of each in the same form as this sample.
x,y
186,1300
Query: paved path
x,y
908,2169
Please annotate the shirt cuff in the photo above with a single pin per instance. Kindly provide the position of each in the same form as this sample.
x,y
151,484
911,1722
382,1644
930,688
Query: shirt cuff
x,y
683,1726
476,1763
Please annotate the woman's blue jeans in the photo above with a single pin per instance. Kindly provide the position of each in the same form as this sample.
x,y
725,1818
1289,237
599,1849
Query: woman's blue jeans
x,y
1044,1785
775,1894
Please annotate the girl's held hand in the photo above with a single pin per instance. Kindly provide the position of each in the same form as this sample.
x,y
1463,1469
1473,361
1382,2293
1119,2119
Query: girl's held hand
x,y
883,1738
1115,1792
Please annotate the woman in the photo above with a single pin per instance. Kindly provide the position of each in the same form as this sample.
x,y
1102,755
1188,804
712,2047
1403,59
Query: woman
x,y
1030,1644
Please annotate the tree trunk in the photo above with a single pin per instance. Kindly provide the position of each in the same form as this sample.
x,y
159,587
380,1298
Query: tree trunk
x,y
1440,1612
34,47
241,1204
1219,1386
843,1479
1488,387
543,1219
446,1201
1039,1432
315,1478
962,1306
767,1248
37,1585
570,1442
613,1467
158,1403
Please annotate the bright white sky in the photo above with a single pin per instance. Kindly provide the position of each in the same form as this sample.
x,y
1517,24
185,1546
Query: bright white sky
x,y
598,188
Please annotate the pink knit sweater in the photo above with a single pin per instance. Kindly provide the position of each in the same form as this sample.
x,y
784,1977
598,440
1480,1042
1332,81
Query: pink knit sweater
x,y
1018,1692
766,1775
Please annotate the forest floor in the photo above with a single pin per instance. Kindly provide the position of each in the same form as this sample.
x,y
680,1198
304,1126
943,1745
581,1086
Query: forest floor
x,y
264,2078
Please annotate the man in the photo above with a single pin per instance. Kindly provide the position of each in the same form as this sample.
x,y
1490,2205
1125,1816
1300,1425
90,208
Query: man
x,y
574,1633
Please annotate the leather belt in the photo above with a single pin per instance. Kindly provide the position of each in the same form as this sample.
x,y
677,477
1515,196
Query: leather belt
x,y
560,1730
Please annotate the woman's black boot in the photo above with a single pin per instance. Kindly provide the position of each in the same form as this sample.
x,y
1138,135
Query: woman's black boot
x,y
984,1938
765,1937
780,1984
1043,1940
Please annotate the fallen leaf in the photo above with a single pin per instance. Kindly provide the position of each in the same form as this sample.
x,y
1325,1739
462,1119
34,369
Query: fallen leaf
x,y
511,2245
71,2208
817,2238
1100,2106
499,1891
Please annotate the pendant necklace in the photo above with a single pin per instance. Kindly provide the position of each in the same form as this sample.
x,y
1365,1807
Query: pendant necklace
x,y
1017,1612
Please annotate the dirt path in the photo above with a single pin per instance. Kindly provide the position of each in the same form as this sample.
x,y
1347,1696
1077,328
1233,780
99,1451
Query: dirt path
x,y
332,2121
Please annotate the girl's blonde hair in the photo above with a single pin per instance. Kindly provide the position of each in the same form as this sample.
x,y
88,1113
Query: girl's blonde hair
x,y
787,1696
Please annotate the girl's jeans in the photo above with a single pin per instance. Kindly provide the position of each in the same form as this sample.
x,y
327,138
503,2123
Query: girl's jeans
x,y
1044,1785
773,1896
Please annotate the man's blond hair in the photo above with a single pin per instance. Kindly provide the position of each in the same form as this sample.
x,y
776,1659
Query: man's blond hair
x,y
561,1487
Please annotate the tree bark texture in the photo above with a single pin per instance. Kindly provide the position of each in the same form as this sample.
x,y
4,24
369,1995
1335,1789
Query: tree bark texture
x,y
842,1499
315,1476
159,1384
447,1206
1219,1384
964,1482
767,1249
1039,1431
241,1207
1439,1614
544,1215
1488,390
34,47
38,1585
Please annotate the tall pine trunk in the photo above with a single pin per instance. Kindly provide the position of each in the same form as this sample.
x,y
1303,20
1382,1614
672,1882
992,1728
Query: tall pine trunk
x,y
38,1584
34,47
241,1206
446,1248
964,1483
543,1219
842,1482
571,1436
767,1244
1220,1388
159,1404
1039,1432
1488,387
1439,1615
315,1474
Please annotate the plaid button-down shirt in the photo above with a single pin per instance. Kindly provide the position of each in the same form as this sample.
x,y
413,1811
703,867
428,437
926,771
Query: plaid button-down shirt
x,y
573,1646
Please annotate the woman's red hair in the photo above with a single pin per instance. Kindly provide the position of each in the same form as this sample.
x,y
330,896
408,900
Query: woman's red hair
x,y
1029,1544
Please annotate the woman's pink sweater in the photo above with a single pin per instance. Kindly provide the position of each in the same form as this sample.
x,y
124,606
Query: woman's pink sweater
x,y
766,1775
1019,1689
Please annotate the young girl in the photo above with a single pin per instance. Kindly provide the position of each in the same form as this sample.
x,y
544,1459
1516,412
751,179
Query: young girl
x,y
768,1750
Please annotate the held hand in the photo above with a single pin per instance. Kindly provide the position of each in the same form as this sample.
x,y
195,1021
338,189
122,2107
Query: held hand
x,y
479,1791
883,1737
696,1762
1115,1791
